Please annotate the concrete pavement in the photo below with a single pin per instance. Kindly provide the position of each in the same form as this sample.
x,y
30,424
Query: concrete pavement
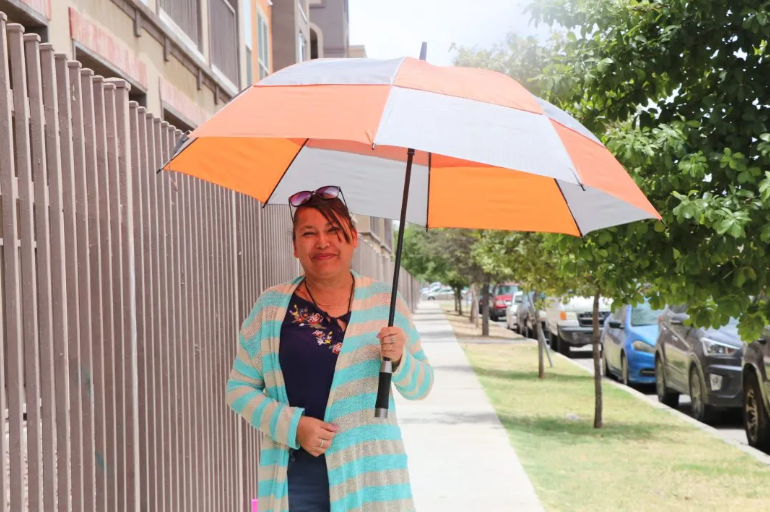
x,y
460,457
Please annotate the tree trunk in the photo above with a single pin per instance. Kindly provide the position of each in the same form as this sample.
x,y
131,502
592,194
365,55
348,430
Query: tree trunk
x,y
597,369
474,312
485,309
540,336
460,301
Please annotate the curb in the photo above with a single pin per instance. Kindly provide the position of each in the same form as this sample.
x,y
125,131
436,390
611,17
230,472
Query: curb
x,y
758,455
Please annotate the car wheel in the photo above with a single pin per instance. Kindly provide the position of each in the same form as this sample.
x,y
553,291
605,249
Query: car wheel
x,y
665,395
554,341
564,348
756,420
701,411
624,370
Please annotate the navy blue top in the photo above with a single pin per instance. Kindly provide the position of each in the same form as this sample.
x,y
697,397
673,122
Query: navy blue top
x,y
310,342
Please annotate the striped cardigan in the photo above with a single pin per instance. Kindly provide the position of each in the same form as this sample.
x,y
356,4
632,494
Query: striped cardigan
x,y
366,461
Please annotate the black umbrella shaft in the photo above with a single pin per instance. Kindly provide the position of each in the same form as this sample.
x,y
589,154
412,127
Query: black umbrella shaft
x,y
386,369
400,243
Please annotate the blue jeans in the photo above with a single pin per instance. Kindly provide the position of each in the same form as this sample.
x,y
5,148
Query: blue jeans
x,y
308,483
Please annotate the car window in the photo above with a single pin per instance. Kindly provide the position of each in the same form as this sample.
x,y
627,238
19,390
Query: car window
x,y
678,309
505,289
643,314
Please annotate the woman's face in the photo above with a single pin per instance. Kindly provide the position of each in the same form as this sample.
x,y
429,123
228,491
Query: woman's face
x,y
321,247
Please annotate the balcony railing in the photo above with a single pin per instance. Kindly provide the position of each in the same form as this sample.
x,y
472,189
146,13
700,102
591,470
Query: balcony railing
x,y
375,228
387,234
223,25
186,14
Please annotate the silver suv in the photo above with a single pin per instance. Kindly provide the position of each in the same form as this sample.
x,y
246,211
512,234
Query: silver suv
x,y
756,392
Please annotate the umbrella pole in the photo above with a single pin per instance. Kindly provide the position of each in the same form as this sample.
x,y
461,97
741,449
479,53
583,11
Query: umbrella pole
x,y
386,368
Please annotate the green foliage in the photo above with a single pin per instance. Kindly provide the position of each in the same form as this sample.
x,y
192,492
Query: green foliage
x,y
678,91
419,257
445,255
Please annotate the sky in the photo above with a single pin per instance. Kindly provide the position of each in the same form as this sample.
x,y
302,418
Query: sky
x,y
396,28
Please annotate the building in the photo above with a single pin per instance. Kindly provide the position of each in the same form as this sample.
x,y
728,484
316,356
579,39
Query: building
x,y
357,51
291,32
329,29
259,63
184,59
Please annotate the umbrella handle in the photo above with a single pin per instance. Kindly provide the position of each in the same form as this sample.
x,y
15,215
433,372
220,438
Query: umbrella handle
x,y
386,368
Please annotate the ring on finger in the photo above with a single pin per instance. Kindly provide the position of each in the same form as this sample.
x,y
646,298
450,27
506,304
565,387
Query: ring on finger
x,y
322,444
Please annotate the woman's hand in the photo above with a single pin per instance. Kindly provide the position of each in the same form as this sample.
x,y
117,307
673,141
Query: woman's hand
x,y
392,341
315,436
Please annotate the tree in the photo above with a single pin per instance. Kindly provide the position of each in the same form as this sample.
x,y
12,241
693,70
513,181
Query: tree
x,y
530,262
457,246
419,257
678,91
549,263
445,255
593,267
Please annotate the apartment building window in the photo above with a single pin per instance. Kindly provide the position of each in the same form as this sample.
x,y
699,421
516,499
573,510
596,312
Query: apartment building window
x,y
184,15
248,35
263,44
301,48
223,26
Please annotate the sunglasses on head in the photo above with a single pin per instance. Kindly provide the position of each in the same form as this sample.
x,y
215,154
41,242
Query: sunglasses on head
x,y
327,192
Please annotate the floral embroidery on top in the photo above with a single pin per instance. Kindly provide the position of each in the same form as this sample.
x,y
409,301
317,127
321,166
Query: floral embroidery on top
x,y
323,335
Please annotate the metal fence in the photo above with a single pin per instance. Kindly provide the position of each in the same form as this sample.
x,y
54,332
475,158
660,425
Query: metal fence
x,y
122,292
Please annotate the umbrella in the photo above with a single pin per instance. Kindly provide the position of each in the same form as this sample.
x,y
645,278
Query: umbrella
x,y
434,146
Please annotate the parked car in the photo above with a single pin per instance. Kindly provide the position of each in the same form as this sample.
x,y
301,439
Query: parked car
x,y
441,293
500,297
756,392
702,363
512,311
523,316
628,343
570,324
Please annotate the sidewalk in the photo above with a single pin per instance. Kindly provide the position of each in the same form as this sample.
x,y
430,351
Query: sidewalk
x,y
460,457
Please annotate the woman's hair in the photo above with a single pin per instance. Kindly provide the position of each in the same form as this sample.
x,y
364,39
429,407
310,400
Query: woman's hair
x,y
333,210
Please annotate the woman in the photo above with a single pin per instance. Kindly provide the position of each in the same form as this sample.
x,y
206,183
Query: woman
x,y
307,370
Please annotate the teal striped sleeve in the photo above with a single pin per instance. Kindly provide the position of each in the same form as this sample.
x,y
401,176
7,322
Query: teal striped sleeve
x,y
246,396
414,376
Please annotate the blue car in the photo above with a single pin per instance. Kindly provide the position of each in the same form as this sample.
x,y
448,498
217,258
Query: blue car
x,y
628,344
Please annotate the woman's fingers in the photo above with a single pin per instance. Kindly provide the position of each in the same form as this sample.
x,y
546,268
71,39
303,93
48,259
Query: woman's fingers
x,y
328,427
392,341
389,331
